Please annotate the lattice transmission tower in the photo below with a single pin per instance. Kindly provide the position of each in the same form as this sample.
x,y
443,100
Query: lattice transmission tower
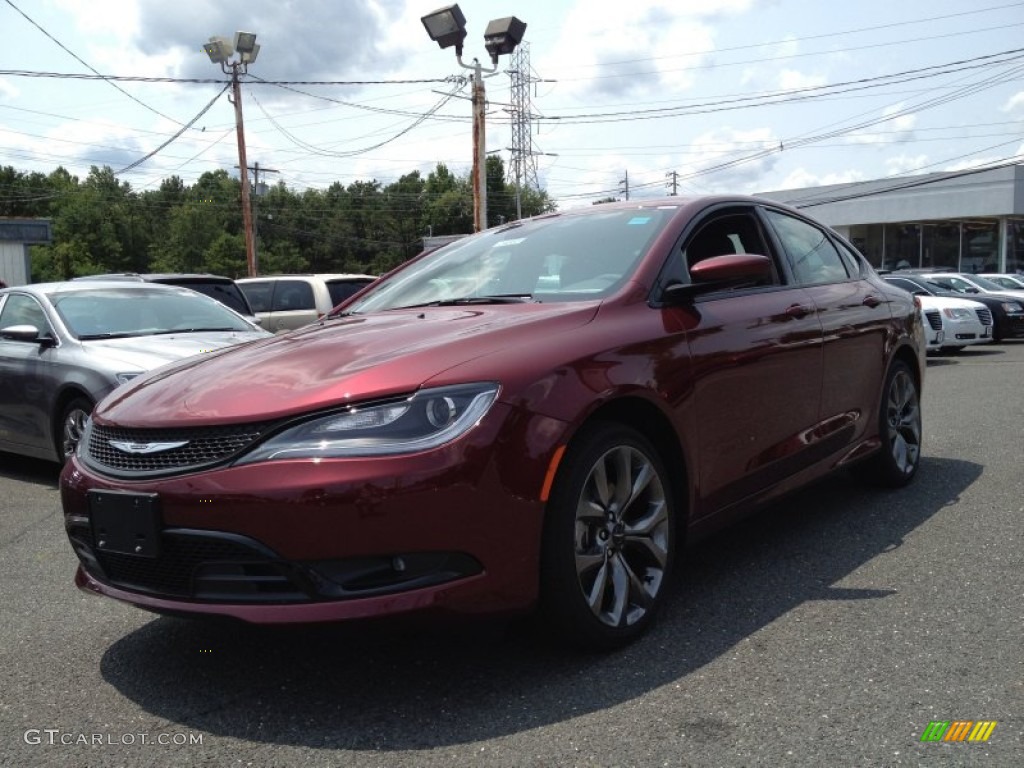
x,y
522,171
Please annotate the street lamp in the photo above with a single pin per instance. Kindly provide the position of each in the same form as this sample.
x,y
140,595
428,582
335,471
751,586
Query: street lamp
x,y
447,27
220,50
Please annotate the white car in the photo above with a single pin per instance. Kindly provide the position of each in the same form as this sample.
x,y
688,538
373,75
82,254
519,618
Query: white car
x,y
1013,282
951,324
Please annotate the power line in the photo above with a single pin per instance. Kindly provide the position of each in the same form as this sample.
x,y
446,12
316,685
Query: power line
x,y
84,63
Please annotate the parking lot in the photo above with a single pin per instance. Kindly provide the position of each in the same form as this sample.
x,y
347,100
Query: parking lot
x,y
830,630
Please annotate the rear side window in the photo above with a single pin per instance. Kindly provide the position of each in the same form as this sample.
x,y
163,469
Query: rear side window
x,y
343,289
259,294
812,256
227,294
291,295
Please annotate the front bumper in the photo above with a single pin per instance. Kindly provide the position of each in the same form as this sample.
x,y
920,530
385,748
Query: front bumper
x,y
300,541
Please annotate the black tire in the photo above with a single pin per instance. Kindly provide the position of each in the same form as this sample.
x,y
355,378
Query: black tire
x,y
899,427
68,428
608,547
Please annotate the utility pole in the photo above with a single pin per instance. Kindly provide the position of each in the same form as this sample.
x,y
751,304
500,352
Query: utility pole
x,y
250,240
624,184
258,192
673,183
447,27
220,50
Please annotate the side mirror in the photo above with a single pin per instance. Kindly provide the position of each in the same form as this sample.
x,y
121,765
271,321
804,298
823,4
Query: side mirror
x,y
25,333
733,270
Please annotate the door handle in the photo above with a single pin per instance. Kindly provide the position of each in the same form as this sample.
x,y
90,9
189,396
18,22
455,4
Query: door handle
x,y
871,301
799,310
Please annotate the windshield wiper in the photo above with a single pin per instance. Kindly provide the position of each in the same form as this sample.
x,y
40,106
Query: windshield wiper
x,y
505,298
98,336
191,330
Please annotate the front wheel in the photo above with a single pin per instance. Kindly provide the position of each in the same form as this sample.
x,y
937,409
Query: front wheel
x,y
899,425
70,427
608,539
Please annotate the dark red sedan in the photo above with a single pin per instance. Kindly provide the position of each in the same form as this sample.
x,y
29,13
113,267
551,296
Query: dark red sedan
x,y
537,415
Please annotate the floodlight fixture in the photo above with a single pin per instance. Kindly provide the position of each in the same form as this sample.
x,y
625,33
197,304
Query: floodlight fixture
x,y
219,49
503,35
446,26
245,42
249,57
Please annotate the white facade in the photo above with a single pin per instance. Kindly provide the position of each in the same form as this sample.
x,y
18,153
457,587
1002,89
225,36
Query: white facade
x,y
970,221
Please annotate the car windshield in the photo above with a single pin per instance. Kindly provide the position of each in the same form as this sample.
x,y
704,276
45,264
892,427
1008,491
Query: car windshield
x,y
105,313
984,282
555,258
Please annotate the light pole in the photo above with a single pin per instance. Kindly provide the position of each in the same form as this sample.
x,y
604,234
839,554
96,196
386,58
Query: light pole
x,y
220,51
447,27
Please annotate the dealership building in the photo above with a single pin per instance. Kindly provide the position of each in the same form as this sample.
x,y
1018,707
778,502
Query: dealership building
x,y
971,221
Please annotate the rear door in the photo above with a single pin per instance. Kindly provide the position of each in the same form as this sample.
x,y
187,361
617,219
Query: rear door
x,y
854,315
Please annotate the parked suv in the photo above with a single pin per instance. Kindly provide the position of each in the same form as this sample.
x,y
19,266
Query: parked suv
x,y
284,302
218,287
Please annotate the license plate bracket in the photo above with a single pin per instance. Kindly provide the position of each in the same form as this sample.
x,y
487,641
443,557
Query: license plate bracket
x,y
125,523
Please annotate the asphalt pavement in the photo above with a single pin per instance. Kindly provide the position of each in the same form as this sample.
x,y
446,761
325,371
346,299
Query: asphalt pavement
x,y
831,629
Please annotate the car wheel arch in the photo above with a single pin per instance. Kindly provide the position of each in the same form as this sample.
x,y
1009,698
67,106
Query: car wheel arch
x,y
645,416
61,403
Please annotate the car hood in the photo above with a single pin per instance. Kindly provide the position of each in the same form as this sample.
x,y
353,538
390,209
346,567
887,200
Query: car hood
x,y
143,353
949,302
334,362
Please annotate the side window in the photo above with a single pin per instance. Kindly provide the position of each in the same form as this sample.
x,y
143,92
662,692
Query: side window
x,y
727,234
812,256
24,310
853,260
258,294
290,295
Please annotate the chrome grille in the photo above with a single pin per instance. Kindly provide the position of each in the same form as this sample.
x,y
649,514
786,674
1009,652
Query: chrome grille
x,y
203,447
934,319
985,315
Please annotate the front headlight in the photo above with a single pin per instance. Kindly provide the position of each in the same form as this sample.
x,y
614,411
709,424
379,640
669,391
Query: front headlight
x,y
124,378
425,420
1013,307
957,313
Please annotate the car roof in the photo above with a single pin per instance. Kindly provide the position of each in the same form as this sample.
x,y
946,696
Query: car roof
x,y
157,277
49,289
320,275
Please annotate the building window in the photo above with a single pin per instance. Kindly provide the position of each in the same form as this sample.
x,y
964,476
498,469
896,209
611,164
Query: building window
x,y
1015,245
981,247
867,238
941,245
902,246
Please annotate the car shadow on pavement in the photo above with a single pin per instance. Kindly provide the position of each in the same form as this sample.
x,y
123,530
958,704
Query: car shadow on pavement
x,y
26,470
416,685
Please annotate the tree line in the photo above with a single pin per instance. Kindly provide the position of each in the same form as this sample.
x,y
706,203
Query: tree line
x,y
101,225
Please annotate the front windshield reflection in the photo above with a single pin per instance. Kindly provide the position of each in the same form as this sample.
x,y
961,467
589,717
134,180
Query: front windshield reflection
x,y
556,258
116,313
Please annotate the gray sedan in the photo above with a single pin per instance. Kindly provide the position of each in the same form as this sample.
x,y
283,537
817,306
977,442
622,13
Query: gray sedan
x,y
64,346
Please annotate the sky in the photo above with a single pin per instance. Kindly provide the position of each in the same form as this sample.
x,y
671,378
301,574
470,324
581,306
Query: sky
x,y
686,96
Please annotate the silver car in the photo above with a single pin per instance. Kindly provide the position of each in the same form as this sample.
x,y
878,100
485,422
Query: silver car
x,y
64,346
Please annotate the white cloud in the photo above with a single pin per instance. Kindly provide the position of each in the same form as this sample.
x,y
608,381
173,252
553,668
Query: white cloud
x,y
801,178
1014,102
790,79
906,164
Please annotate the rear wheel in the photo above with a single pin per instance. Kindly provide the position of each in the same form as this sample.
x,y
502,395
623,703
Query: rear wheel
x,y
71,425
608,539
899,425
